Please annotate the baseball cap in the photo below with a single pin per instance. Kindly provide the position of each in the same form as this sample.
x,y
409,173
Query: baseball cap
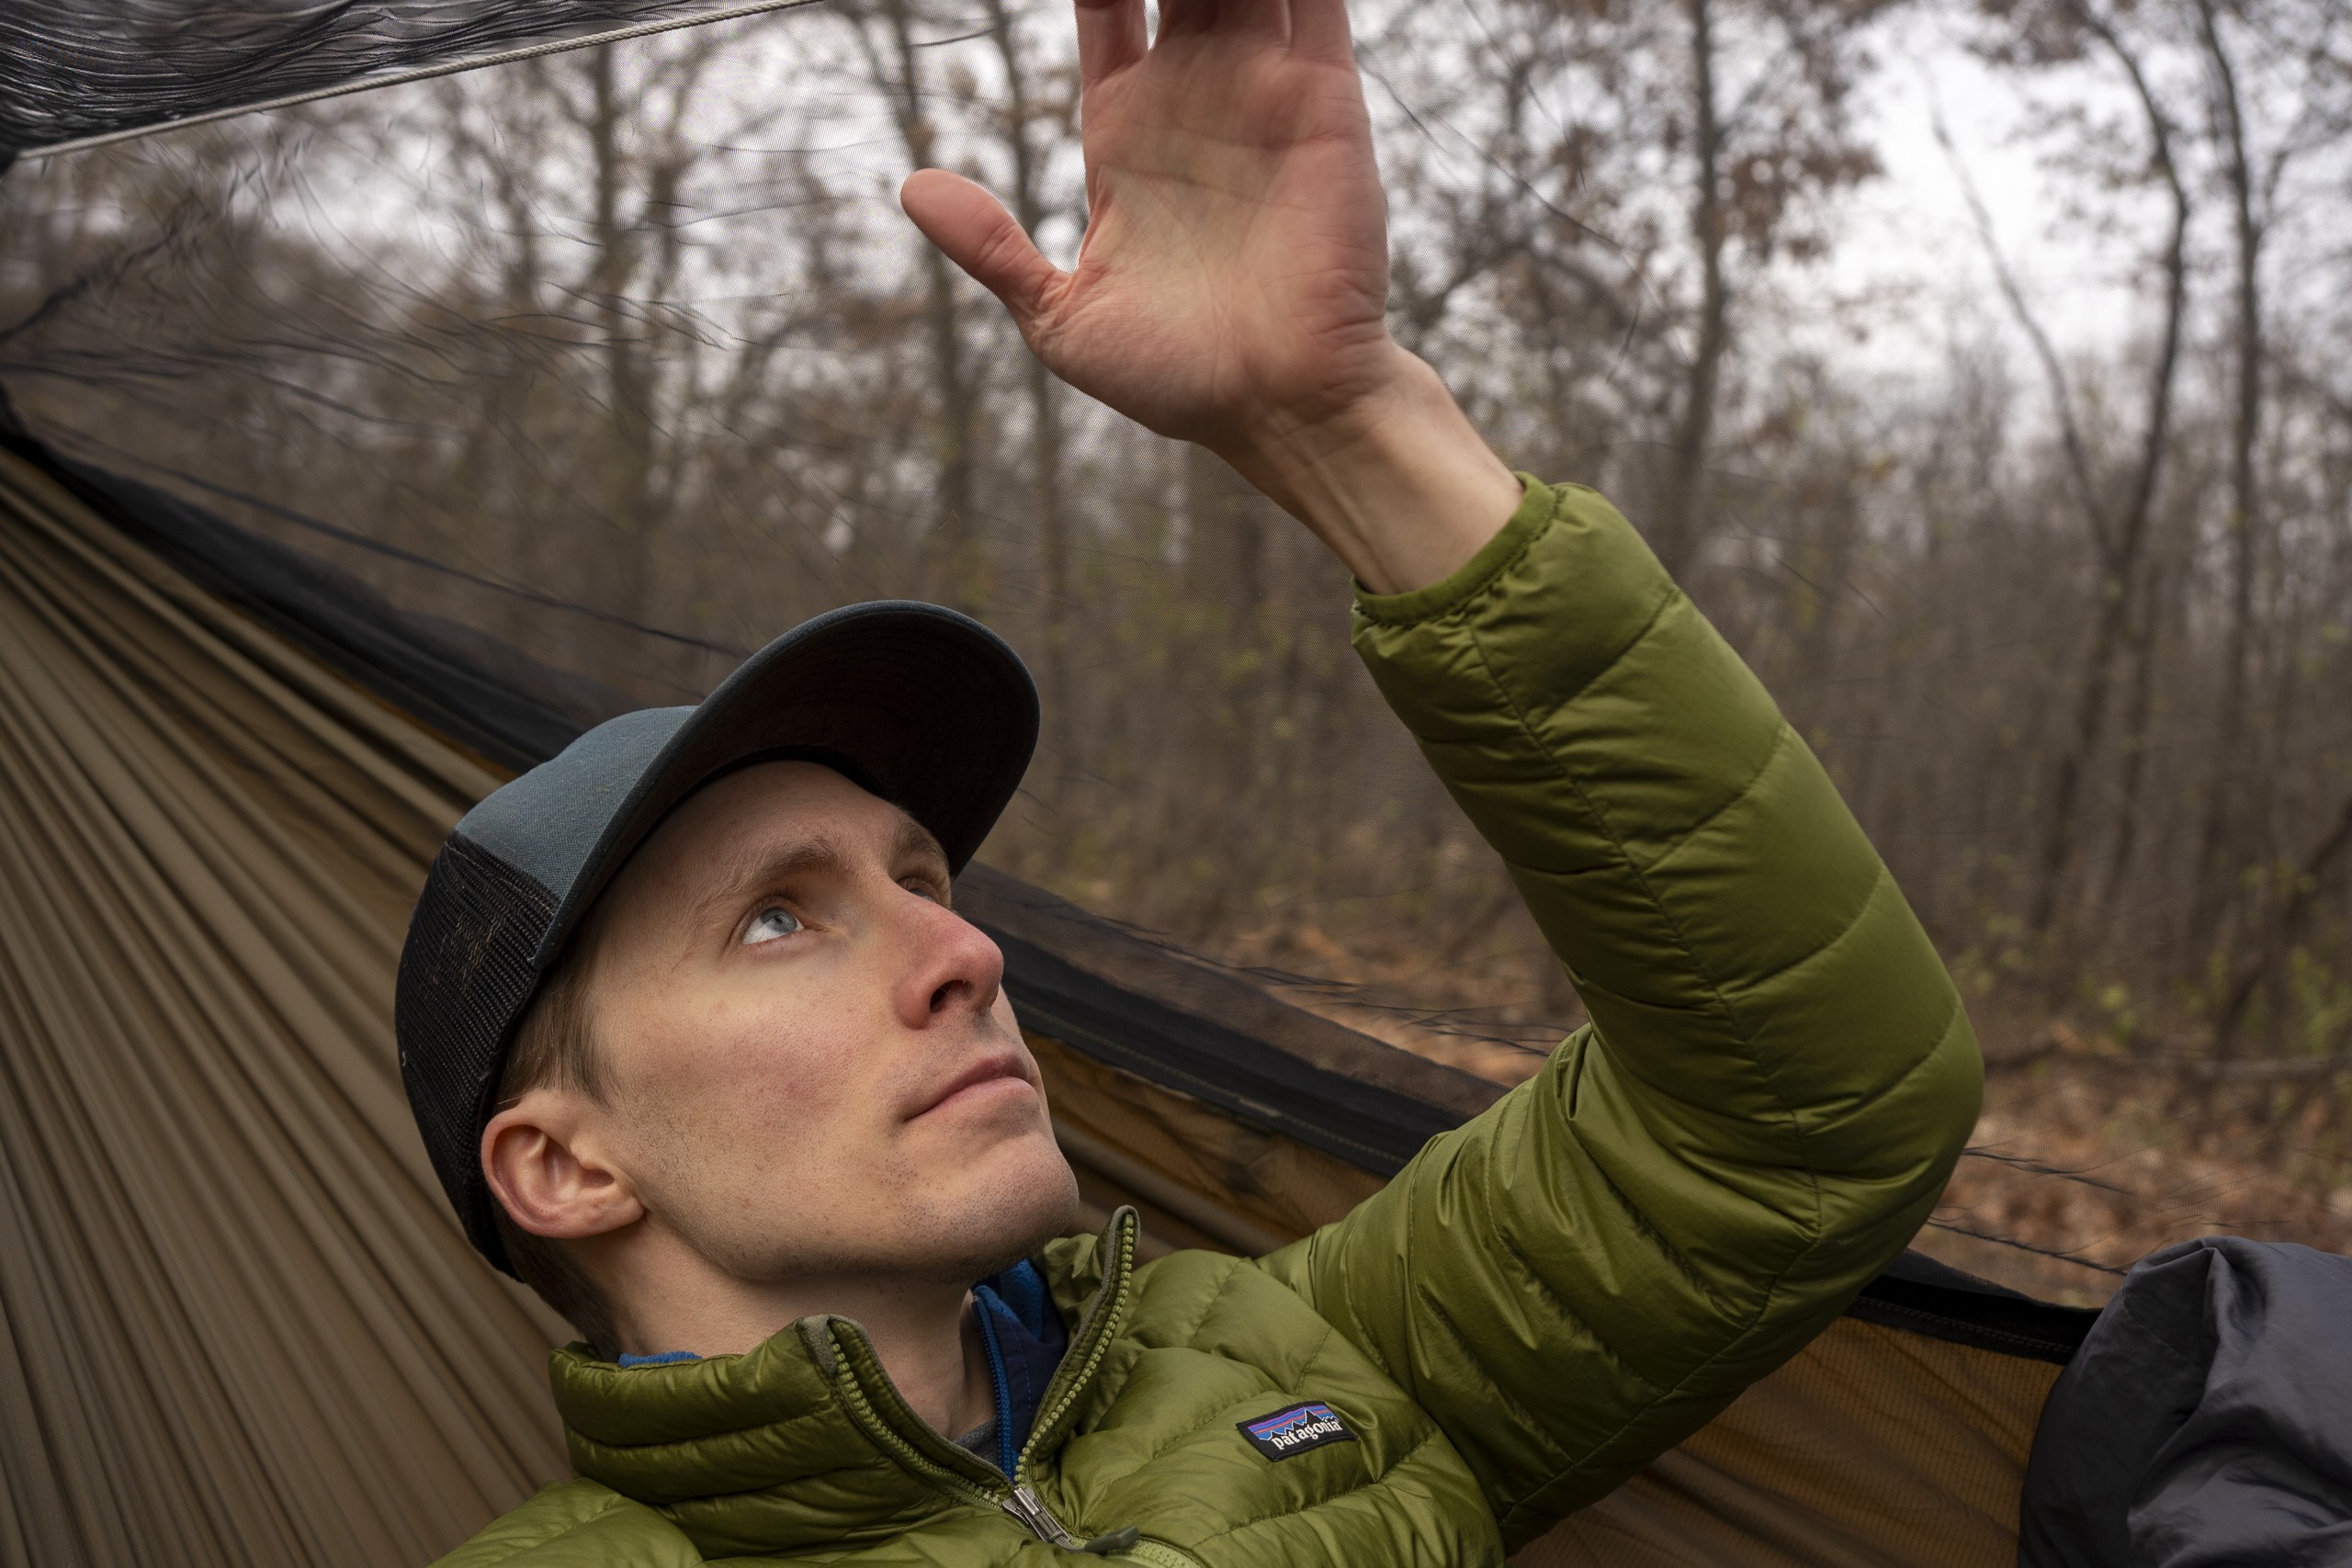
x,y
921,706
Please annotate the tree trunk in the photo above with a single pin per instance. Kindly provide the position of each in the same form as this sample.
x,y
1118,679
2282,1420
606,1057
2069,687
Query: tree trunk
x,y
2287,927
1682,491
2120,568
2216,856
2145,638
629,574
1225,552
1045,391
956,567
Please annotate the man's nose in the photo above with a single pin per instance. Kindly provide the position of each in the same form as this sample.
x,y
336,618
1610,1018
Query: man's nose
x,y
952,966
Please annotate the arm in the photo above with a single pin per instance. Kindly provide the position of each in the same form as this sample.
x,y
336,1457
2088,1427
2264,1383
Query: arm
x,y
1778,1075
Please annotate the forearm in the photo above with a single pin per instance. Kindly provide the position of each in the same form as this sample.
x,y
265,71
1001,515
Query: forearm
x,y
1397,483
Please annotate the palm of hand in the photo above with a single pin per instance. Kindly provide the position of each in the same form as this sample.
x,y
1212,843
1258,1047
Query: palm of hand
x,y
1235,263
1234,276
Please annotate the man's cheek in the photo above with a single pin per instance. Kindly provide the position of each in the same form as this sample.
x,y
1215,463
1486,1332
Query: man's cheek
x,y
763,1052
780,1099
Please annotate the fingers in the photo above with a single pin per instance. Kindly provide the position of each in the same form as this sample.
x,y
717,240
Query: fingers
x,y
1110,37
977,235
1318,30
1267,21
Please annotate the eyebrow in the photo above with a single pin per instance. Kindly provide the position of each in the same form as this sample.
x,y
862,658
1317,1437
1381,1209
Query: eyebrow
x,y
914,841
746,873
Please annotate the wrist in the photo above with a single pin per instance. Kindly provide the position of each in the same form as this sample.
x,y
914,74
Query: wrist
x,y
1397,482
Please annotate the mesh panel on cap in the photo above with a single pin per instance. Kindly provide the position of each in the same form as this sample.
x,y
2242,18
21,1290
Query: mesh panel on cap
x,y
466,978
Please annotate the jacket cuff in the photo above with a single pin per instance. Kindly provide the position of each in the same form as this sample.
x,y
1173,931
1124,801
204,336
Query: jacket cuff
x,y
1539,503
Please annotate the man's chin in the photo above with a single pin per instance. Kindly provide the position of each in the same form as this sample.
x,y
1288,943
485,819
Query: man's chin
x,y
1015,1207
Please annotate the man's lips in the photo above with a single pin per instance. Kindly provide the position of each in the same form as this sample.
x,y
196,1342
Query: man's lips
x,y
981,1077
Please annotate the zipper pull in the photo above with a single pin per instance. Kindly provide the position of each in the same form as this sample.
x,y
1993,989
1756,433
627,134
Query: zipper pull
x,y
1024,1504
1038,1520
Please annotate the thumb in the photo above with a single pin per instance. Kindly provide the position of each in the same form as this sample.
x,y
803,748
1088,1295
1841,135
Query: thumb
x,y
977,235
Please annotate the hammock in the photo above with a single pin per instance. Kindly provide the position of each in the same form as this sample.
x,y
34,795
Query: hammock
x,y
238,1325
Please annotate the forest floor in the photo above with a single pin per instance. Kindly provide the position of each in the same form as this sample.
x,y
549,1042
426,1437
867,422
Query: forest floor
x,y
2097,1159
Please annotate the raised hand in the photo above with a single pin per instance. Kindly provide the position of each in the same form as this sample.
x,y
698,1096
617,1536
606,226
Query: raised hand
x,y
1235,261
1232,284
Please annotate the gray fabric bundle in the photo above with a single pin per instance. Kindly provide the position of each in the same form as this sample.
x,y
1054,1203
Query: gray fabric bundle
x,y
2206,1420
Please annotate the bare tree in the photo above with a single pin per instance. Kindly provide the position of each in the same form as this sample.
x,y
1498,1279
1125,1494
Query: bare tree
x,y
2118,528
2298,42
884,30
1694,423
1031,117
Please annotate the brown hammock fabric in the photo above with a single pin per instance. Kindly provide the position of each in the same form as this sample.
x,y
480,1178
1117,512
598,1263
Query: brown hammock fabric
x,y
241,1327
238,1325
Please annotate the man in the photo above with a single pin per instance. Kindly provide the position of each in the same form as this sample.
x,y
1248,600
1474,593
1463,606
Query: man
x,y
702,1050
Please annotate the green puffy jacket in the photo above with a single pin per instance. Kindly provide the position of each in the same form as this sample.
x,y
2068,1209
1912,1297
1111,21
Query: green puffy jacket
x,y
1776,1081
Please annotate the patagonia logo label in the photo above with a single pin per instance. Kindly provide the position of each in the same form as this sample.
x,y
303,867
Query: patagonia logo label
x,y
1295,1430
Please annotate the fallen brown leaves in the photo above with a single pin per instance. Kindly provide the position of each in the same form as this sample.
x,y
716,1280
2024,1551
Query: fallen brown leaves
x,y
2086,1159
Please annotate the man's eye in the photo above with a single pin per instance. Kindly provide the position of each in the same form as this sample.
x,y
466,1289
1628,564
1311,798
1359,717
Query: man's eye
x,y
770,923
922,888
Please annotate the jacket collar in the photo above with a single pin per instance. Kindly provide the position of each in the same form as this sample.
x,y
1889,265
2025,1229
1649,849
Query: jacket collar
x,y
804,1442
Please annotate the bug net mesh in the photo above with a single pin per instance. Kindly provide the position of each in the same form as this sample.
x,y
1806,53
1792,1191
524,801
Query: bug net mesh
x,y
623,358
626,357
77,71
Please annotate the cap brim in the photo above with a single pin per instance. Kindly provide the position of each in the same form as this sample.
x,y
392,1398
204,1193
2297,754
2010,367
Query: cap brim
x,y
925,708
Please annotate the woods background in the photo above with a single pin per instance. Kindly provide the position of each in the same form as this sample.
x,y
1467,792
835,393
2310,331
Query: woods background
x,y
628,357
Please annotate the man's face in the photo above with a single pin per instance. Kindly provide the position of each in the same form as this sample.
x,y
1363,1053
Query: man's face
x,y
810,1065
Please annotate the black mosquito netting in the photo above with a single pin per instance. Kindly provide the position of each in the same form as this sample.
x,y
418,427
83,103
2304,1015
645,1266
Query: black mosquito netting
x,y
625,357
78,72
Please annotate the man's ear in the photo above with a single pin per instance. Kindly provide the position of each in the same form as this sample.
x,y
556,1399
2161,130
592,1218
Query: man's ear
x,y
542,1165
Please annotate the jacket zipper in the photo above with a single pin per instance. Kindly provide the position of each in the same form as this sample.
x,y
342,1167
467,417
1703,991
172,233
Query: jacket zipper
x,y
1021,1501
1093,1340
871,1421
1029,1510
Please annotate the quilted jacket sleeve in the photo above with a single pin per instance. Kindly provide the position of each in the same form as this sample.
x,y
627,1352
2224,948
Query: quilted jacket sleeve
x,y
1777,1075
